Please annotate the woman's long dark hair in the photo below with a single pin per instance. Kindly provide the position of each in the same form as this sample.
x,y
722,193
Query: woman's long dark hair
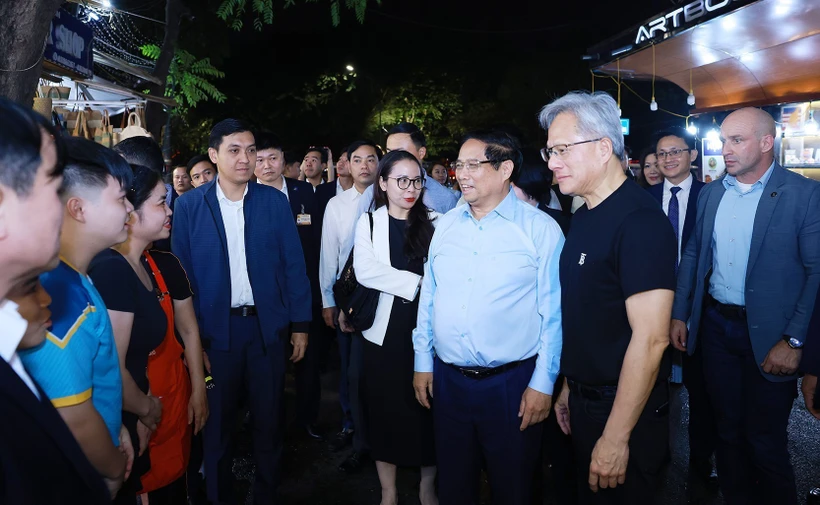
x,y
419,231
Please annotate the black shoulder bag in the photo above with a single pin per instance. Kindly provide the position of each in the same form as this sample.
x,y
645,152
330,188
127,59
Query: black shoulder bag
x,y
358,302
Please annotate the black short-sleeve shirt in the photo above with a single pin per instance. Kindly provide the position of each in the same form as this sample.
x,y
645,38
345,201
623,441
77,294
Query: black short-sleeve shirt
x,y
623,246
176,280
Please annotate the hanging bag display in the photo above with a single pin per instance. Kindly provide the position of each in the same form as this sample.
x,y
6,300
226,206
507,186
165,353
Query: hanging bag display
x,y
134,128
43,104
104,135
81,127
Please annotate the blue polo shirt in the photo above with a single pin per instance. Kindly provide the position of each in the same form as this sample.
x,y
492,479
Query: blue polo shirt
x,y
78,360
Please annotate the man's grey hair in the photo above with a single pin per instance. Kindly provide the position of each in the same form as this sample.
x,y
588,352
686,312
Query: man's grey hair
x,y
596,114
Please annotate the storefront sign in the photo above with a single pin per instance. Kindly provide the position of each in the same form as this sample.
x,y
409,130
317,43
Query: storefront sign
x,y
69,44
625,126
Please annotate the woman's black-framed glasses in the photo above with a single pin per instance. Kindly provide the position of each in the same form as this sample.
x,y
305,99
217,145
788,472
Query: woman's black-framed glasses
x,y
404,182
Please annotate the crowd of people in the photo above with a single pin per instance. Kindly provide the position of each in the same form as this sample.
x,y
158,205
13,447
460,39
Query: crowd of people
x,y
524,318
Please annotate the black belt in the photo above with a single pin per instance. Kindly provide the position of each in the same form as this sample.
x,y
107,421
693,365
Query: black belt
x,y
727,311
244,311
594,393
482,372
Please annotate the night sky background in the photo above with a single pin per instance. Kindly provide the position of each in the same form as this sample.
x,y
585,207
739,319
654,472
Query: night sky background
x,y
514,54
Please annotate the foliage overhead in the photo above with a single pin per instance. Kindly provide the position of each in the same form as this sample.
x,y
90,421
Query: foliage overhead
x,y
232,11
188,78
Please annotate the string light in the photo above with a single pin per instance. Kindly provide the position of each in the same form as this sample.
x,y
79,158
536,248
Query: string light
x,y
653,105
690,127
713,134
691,98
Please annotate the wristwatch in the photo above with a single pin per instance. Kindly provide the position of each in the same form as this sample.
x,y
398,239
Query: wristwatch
x,y
793,342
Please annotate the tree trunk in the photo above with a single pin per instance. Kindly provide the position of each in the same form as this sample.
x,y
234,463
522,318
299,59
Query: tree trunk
x,y
23,31
155,113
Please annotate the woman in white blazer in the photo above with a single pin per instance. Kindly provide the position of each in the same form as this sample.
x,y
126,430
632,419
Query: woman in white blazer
x,y
400,430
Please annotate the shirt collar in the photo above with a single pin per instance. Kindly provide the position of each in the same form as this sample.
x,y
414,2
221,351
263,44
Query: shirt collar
x,y
505,209
684,185
731,180
220,195
13,329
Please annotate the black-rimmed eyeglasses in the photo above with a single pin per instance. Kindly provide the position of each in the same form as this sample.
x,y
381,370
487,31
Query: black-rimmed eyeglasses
x,y
404,182
561,150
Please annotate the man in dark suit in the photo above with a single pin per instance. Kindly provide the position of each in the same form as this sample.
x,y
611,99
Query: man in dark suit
x,y
747,285
678,196
241,250
40,461
269,167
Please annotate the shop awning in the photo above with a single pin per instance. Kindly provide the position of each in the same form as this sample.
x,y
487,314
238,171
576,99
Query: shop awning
x,y
736,53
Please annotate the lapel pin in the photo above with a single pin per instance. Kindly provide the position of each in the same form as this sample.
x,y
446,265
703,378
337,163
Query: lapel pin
x,y
774,194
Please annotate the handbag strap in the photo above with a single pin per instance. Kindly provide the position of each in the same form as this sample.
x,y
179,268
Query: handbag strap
x,y
370,214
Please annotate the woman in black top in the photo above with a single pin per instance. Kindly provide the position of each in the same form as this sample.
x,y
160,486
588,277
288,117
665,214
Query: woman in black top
x,y
532,185
122,276
391,260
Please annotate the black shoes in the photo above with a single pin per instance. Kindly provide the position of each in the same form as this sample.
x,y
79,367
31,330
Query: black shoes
x,y
341,440
353,463
312,431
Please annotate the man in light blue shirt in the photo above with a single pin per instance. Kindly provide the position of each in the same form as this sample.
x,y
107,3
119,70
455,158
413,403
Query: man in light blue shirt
x,y
488,337
747,285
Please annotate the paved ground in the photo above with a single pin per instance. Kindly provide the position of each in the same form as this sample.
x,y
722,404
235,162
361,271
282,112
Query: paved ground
x,y
311,475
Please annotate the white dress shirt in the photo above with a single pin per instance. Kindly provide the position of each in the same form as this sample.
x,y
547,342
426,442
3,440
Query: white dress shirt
x,y
12,330
339,188
233,217
683,202
337,229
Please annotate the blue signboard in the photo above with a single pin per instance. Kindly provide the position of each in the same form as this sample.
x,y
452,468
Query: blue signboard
x,y
69,44
625,126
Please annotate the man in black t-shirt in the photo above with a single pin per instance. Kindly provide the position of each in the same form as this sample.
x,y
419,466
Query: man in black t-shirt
x,y
617,282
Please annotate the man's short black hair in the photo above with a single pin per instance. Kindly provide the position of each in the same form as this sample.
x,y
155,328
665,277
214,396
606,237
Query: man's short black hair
x,y
89,164
676,131
225,128
316,149
196,160
142,151
418,138
359,143
292,157
20,143
534,177
267,140
500,147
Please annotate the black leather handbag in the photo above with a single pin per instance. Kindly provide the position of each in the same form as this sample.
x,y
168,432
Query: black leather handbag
x,y
358,302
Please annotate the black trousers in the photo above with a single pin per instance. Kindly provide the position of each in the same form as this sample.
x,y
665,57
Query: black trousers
x,y
308,372
702,429
258,370
647,447
475,420
752,416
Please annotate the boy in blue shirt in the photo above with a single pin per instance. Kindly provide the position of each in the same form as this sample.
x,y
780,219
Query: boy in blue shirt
x,y
78,361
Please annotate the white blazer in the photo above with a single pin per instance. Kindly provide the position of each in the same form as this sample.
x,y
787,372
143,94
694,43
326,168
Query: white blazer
x,y
371,262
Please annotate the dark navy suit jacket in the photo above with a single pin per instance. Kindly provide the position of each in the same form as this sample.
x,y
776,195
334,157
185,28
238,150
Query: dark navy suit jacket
x,y
691,207
324,192
40,462
276,265
303,201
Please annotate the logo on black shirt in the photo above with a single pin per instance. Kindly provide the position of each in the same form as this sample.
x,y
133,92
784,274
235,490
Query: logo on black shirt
x,y
583,258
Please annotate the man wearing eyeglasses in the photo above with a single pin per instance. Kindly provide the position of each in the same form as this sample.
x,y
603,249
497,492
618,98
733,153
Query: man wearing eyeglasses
x,y
488,335
678,196
747,284
617,274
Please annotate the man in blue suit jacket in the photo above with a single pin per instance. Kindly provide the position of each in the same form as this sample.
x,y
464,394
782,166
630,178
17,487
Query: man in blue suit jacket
x,y
269,168
747,284
678,196
241,251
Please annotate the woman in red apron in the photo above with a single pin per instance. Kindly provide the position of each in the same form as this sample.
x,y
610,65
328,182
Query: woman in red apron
x,y
150,298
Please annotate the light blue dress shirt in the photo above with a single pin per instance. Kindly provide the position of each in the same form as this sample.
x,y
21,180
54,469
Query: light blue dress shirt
x,y
491,293
732,239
